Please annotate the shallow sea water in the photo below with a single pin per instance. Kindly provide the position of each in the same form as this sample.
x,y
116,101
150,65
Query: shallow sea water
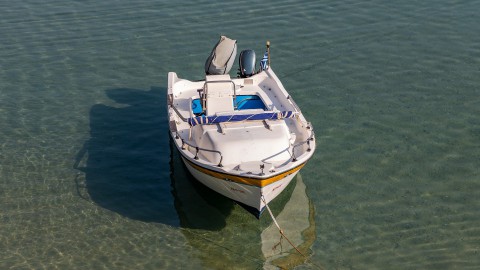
x,y
88,178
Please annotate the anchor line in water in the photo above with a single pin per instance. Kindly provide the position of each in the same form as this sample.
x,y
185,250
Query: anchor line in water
x,y
280,229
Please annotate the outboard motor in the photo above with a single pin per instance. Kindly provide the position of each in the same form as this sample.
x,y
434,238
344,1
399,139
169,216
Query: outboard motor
x,y
222,57
247,63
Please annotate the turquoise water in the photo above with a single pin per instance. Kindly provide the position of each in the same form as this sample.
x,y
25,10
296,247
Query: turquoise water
x,y
88,179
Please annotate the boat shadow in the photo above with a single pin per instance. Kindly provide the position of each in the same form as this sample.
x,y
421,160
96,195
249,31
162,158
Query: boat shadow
x,y
130,166
126,160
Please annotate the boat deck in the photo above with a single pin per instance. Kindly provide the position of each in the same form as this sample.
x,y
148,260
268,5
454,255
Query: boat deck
x,y
261,138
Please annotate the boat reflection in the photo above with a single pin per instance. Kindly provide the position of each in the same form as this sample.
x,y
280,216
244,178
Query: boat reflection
x,y
298,222
223,234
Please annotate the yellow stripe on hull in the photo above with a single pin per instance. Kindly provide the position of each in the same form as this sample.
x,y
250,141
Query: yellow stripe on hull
x,y
245,180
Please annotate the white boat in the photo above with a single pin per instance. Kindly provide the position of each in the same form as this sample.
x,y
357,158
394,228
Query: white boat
x,y
244,137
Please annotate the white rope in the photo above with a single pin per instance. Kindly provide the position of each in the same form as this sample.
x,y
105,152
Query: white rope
x,y
269,211
280,229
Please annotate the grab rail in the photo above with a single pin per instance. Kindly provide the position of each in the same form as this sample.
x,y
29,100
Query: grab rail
x,y
293,103
179,114
204,99
203,149
311,138
170,103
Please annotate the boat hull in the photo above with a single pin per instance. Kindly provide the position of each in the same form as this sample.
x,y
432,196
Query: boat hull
x,y
247,195
246,153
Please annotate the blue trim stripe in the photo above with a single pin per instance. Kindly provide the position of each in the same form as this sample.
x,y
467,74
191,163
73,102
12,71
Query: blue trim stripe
x,y
209,120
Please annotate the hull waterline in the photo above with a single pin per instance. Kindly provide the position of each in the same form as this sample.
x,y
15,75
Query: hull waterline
x,y
248,196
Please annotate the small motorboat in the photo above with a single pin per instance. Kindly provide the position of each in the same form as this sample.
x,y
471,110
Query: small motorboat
x,y
244,137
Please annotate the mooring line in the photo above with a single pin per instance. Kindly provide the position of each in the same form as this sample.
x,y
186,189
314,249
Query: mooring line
x,y
280,229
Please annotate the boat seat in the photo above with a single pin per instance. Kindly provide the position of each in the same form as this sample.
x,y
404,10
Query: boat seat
x,y
219,90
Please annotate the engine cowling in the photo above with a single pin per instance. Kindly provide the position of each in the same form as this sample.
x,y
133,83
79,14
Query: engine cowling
x,y
247,63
